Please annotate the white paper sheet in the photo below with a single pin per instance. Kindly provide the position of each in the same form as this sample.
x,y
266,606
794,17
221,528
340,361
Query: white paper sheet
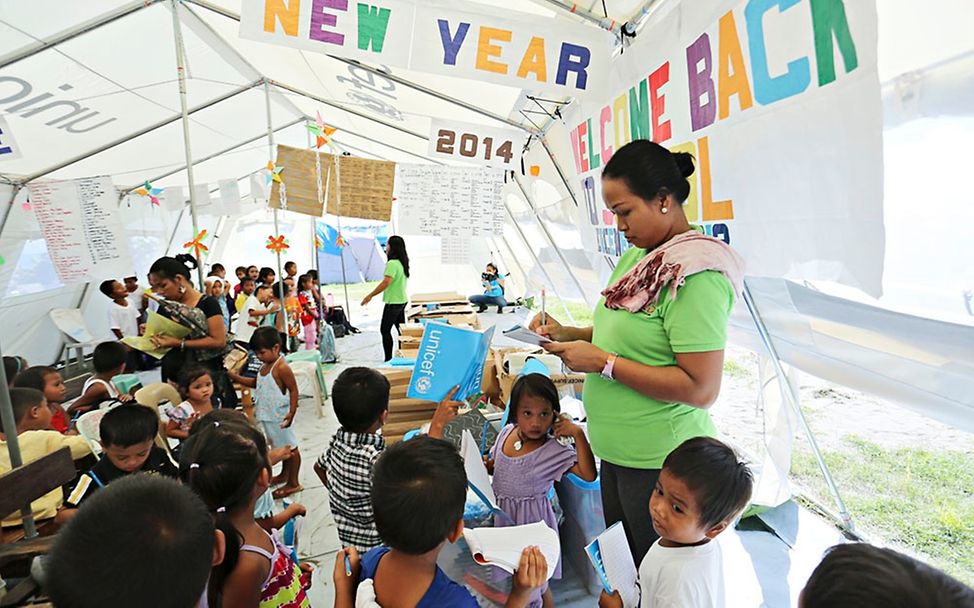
x,y
617,566
502,547
477,477
523,334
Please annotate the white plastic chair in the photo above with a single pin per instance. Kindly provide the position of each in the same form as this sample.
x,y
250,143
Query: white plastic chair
x,y
88,425
77,337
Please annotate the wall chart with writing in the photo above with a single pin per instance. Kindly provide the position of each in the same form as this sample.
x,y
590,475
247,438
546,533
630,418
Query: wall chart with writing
x,y
450,201
82,227
480,144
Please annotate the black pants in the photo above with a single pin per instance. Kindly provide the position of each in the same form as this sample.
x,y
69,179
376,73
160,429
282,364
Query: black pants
x,y
625,498
392,315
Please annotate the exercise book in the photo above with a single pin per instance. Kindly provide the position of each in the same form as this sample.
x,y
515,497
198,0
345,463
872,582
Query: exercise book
x,y
502,547
609,554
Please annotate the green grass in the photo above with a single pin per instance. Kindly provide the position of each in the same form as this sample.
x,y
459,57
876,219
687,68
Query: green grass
x,y
356,291
556,307
918,499
736,370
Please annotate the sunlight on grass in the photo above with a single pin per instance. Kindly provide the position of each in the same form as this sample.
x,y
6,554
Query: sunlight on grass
x,y
917,499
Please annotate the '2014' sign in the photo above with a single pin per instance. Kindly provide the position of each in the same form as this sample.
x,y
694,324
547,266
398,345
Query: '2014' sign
x,y
480,144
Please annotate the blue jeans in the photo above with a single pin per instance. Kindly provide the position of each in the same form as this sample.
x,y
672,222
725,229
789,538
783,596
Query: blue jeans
x,y
483,301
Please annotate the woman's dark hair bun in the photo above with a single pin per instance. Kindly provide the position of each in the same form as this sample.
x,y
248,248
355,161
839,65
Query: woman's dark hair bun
x,y
189,261
684,162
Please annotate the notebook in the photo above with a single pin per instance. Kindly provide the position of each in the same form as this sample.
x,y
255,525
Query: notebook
x,y
449,356
502,547
523,334
609,554
156,324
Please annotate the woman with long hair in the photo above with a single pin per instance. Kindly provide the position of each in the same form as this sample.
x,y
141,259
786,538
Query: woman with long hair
x,y
207,342
393,290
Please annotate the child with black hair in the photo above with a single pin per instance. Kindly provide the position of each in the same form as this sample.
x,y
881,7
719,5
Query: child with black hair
x,y
702,487
267,276
859,575
527,459
123,318
275,404
108,361
309,311
13,366
360,396
226,464
33,418
419,488
241,272
127,435
144,541
264,510
49,381
196,388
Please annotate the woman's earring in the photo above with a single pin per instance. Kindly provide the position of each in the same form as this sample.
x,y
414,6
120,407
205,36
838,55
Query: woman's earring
x,y
663,209
182,288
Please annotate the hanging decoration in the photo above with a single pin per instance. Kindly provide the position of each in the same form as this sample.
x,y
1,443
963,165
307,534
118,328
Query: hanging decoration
x,y
273,173
277,244
340,241
319,244
321,131
152,193
197,245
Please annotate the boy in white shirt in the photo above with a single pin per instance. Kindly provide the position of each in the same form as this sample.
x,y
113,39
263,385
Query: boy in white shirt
x,y
123,317
702,487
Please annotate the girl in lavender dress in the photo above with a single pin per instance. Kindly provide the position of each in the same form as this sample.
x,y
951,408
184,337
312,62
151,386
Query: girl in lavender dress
x,y
527,459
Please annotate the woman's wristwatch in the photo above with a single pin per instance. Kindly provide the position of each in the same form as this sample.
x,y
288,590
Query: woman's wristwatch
x,y
609,365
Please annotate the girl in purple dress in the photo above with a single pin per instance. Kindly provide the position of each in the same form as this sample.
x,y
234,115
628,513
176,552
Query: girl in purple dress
x,y
527,459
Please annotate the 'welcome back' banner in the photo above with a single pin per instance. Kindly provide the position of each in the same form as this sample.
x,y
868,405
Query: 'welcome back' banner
x,y
517,50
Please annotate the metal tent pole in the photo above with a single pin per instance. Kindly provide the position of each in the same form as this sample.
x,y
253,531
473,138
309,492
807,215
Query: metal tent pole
x,y
277,229
792,396
13,448
181,74
341,250
527,244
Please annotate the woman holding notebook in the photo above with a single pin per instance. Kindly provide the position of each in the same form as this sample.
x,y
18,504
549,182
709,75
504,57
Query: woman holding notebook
x,y
655,352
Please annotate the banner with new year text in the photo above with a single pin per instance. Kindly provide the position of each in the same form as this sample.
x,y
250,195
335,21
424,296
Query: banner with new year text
x,y
779,103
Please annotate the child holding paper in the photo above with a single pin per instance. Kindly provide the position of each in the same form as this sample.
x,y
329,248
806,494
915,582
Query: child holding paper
x,y
527,460
702,487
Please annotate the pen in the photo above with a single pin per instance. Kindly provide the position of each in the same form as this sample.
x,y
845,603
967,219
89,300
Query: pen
x,y
544,320
348,565
483,438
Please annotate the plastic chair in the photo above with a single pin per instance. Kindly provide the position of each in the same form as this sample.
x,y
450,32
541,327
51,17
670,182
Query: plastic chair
x,y
77,337
312,356
151,396
125,382
88,425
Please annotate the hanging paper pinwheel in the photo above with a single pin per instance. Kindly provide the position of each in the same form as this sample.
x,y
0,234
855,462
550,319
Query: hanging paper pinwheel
x,y
197,245
340,241
278,244
273,173
319,244
321,131
148,190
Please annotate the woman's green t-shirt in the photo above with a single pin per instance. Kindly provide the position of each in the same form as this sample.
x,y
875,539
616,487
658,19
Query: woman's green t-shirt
x,y
395,293
625,427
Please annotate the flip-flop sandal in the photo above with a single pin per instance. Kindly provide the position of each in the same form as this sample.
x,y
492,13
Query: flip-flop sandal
x,y
286,491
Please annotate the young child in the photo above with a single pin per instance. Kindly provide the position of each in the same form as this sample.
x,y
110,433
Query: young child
x,y
128,433
13,366
196,388
241,272
226,464
214,287
290,270
360,397
275,404
292,304
123,317
147,539
702,487
246,289
108,361
136,296
527,459
264,510
47,380
33,418
859,575
418,491
309,311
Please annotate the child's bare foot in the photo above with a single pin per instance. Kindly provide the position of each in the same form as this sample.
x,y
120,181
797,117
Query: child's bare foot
x,y
286,491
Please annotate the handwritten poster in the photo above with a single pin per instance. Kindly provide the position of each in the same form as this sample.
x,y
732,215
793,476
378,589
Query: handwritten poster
x,y
450,201
478,144
230,196
455,250
9,150
82,227
366,185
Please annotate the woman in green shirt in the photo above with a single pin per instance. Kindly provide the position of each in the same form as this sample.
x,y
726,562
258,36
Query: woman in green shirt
x,y
393,290
655,352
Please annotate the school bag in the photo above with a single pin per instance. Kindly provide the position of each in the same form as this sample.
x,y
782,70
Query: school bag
x,y
326,344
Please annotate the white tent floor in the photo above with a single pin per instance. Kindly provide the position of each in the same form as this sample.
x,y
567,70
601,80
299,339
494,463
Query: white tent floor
x,y
760,569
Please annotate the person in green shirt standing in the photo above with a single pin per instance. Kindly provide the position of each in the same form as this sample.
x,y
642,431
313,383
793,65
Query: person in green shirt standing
x,y
393,290
655,352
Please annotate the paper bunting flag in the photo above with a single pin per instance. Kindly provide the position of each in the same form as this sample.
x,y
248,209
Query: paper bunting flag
x,y
278,244
321,131
197,245
273,173
149,191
